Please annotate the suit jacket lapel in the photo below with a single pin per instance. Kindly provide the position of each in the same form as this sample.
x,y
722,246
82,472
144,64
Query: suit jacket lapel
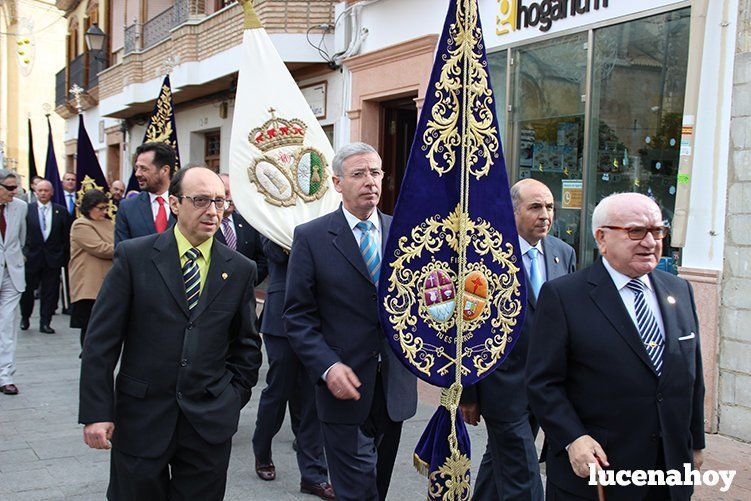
x,y
167,262
385,227
144,209
669,321
608,300
344,242
218,274
554,266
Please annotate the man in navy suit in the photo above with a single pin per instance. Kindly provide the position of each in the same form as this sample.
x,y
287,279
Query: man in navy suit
x,y
237,234
46,251
363,393
509,468
614,372
148,213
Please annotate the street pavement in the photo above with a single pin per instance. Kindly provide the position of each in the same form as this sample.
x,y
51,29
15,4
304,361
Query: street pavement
x,y
42,454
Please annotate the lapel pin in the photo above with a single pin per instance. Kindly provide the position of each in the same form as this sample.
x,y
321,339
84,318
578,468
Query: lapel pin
x,y
224,276
556,260
239,225
671,300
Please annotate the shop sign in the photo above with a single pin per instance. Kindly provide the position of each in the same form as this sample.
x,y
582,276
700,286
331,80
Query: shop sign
x,y
518,20
571,194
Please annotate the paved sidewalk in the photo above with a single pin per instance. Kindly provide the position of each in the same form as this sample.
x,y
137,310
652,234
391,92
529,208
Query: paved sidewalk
x,y
42,454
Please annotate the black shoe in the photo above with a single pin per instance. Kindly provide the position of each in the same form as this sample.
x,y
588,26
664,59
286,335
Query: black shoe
x,y
46,329
24,324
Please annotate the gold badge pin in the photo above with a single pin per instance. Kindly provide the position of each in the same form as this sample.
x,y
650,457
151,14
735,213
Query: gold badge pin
x,y
224,276
671,300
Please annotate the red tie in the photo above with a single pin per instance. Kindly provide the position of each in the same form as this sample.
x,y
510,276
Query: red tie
x,y
161,216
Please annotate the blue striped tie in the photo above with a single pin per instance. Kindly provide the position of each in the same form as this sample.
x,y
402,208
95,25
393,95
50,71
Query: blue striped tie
x,y
649,330
192,277
369,250
535,277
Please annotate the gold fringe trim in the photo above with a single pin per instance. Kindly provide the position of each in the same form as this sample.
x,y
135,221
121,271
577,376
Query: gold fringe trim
x,y
251,18
421,466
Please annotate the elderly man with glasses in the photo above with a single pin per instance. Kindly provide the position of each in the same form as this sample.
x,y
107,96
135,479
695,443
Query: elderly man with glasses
x,y
12,276
614,372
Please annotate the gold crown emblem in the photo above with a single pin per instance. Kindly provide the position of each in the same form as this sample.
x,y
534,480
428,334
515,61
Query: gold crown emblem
x,y
278,132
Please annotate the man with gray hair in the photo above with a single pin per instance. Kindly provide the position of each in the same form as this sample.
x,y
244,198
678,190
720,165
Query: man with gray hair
x,y
363,393
614,372
12,279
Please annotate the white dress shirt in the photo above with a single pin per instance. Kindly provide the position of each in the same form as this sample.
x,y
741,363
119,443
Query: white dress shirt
x,y
524,246
627,295
47,216
155,204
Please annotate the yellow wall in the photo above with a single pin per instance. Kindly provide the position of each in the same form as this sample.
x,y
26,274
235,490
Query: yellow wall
x,y
22,95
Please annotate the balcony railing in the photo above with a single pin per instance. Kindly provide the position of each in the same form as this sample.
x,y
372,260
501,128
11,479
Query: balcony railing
x,y
131,39
60,87
157,28
82,71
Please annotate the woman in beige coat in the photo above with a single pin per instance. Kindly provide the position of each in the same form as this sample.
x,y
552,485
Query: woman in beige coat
x,y
92,245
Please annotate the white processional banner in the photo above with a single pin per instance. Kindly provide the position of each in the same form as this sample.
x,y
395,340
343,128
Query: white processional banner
x,y
280,158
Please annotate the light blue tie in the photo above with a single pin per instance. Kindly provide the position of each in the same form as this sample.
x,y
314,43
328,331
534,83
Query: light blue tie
x,y
535,277
43,221
71,203
369,250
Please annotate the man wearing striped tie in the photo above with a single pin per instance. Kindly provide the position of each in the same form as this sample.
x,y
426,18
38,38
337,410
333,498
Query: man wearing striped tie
x,y
614,372
363,392
180,306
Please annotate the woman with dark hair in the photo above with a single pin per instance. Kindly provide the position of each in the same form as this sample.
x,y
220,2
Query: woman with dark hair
x,y
92,246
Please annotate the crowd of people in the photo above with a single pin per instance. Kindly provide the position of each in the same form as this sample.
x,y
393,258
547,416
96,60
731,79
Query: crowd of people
x,y
608,365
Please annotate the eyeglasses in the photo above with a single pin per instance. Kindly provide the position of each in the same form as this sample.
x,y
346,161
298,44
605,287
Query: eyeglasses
x,y
201,202
9,188
360,174
639,232
101,207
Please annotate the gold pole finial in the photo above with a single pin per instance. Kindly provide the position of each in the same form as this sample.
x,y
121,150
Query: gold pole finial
x,y
251,18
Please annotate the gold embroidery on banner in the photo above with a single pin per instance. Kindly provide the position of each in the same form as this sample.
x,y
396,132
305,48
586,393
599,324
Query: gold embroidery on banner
x,y
89,184
160,127
404,301
443,134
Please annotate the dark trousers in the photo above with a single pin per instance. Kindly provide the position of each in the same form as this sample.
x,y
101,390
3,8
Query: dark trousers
x,y
361,457
189,469
509,468
48,282
287,381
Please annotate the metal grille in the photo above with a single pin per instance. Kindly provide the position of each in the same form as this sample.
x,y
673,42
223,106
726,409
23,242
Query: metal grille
x,y
157,28
131,34
77,75
60,87
97,63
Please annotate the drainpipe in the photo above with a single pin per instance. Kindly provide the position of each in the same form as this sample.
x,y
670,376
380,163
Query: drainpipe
x,y
685,164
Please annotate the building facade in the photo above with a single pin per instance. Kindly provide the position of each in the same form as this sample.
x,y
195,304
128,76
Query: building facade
x,y
30,53
593,97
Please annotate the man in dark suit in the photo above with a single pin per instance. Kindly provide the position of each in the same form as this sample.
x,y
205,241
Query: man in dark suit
x,y
147,213
286,381
237,234
614,372
69,193
509,467
179,307
46,251
363,393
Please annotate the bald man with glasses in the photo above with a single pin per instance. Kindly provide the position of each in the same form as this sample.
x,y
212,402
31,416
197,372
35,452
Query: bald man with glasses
x,y
614,372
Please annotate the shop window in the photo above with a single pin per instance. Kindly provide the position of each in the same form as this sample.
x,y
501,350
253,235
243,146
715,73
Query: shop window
x,y
548,82
638,88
